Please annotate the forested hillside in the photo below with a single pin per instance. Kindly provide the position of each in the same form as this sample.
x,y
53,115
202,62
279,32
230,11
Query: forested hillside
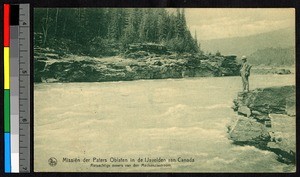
x,y
282,38
273,57
108,31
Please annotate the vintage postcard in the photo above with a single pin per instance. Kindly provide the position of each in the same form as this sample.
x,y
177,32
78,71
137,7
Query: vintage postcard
x,y
164,90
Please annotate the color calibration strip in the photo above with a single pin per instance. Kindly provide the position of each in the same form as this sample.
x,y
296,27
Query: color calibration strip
x,y
7,135
16,88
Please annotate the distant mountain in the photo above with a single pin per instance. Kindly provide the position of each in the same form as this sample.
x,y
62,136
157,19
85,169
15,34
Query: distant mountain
x,y
273,57
246,45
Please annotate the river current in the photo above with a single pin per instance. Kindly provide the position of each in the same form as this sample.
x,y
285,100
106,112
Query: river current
x,y
146,119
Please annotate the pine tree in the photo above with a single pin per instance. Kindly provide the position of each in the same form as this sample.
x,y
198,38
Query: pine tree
x,y
143,28
129,31
162,25
113,25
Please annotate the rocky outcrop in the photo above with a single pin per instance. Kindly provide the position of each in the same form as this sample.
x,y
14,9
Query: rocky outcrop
x,y
267,100
267,121
52,67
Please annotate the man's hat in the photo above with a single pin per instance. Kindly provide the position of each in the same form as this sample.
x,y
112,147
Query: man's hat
x,y
244,57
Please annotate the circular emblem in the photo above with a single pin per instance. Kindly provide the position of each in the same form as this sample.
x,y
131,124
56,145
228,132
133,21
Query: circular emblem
x,y
52,161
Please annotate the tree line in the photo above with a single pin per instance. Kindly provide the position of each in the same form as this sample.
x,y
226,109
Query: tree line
x,y
99,30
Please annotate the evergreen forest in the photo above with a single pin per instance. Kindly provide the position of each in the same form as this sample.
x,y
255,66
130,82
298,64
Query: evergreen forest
x,y
109,31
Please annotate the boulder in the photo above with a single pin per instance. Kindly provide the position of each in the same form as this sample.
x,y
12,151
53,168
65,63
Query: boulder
x,y
244,110
282,71
250,132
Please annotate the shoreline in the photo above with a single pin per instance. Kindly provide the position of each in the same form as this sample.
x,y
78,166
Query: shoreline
x,y
182,78
51,67
266,121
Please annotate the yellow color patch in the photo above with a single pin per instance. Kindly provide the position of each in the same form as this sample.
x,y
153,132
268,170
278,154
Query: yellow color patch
x,y
6,68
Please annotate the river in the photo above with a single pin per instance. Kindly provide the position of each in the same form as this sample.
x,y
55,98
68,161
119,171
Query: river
x,y
168,119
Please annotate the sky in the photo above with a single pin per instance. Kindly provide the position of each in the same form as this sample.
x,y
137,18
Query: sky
x,y
215,23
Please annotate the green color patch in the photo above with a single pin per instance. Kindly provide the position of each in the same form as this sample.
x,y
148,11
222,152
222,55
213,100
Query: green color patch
x,y
6,111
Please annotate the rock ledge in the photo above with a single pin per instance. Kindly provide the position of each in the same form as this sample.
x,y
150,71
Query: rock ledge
x,y
267,121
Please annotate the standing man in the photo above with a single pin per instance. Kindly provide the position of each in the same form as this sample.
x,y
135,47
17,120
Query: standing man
x,y
245,73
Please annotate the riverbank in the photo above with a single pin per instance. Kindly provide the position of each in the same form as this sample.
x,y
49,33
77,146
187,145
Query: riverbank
x,y
273,70
267,121
51,66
